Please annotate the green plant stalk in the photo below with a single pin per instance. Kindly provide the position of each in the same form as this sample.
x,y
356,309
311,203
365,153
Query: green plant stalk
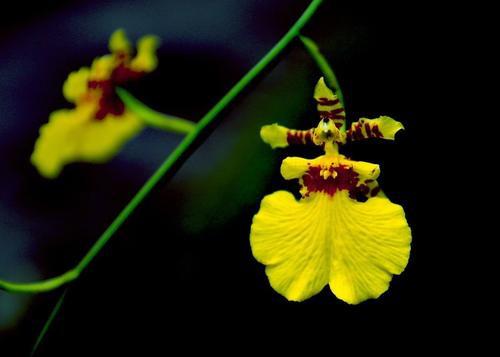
x,y
40,286
48,323
179,151
323,65
153,118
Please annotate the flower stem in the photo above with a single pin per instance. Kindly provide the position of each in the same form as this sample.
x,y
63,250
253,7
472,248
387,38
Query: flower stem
x,y
153,118
40,286
48,323
323,65
177,157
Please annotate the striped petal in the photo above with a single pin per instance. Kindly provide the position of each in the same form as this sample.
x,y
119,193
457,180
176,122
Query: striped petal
x,y
328,104
382,127
278,136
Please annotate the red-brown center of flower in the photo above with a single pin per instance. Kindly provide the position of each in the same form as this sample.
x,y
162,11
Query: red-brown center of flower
x,y
109,102
335,178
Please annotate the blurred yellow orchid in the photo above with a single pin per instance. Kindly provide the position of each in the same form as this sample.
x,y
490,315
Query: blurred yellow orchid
x,y
344,231
100,124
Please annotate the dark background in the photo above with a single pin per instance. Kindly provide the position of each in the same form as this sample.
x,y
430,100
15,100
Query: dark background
x,y
181,267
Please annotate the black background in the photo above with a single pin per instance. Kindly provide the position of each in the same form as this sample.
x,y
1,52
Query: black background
x,y
159,283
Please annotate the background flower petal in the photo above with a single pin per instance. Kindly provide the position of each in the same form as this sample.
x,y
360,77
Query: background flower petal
x,y
146,59
76,85
119,43
70,136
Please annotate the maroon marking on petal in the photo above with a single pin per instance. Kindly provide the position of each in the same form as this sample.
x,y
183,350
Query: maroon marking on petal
x,y
345,179
299,137
123,74
330,115
93,84
359,193
377,132
337,111
358,134
109,102
308,137
326,101
368,130
121,55
294,137
375,191
323,114
369,181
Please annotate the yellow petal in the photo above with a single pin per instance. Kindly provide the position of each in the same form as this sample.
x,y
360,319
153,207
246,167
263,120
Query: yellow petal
x,y
328,104
73,135
275,135
388,126
294,167
285,237
366,170
118,42
382,127
99,141
371,245
76,85
146,59
355,247
102,67
52,148
322,91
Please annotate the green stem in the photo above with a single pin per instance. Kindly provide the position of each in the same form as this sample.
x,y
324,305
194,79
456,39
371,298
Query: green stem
x,y
153,118
169,162
323,65
48,323
40,286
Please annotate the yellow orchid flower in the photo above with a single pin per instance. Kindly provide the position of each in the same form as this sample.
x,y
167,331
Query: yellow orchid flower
x,y
100,124
343,231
